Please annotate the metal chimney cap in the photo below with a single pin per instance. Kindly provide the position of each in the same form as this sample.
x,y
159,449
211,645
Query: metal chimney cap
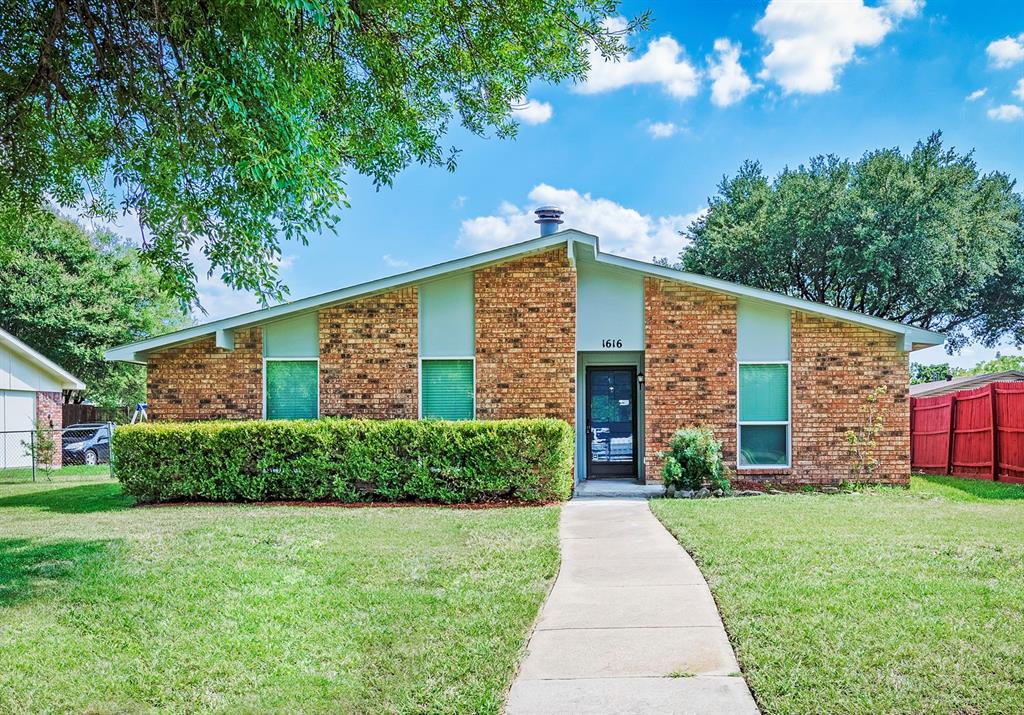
x,y
549,218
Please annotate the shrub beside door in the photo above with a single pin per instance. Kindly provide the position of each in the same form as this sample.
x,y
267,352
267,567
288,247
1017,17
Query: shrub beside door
x,y
347,460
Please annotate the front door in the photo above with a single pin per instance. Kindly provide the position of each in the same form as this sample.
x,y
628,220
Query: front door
x,y
611,422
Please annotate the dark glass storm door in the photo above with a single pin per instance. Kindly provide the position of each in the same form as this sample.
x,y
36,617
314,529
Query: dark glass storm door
x,y
611,422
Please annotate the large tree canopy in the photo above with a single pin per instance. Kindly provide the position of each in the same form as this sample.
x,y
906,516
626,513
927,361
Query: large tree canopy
x,y
71,295
921,238
231,123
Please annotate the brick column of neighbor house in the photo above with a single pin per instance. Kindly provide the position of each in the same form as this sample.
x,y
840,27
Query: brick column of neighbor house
x,y
835,368
199,381
526,338
369,355
50,416
689,366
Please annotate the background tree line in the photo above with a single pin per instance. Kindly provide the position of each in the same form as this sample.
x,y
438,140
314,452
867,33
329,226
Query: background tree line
x,y
72,294
921,238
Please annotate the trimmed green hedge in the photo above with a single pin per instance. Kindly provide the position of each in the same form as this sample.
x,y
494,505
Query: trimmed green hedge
x,y
346,460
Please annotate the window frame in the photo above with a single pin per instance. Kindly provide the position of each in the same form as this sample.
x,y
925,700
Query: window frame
x,y
291,359
788,423
419,380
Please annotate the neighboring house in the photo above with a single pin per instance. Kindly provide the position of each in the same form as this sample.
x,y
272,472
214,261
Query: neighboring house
x,y
966,382
512,332
30,394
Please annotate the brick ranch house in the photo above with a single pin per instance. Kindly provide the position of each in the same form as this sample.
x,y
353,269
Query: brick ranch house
x,y
512,332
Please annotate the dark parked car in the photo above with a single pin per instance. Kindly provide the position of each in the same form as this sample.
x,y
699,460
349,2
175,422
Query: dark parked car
x,y
87,443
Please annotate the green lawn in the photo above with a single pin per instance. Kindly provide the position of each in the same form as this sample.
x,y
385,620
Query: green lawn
x,y
880,602
77,472
109,608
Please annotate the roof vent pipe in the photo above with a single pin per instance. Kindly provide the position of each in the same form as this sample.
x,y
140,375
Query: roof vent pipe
x,y
549,218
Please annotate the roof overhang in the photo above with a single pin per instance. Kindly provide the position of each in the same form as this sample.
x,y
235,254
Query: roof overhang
x,y
66,379
573,240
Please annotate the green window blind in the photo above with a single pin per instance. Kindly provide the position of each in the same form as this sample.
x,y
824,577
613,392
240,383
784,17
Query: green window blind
x,y
447,389
762,445
764,393
292,389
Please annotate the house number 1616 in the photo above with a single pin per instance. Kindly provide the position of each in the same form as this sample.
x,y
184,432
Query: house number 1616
x,y
611,343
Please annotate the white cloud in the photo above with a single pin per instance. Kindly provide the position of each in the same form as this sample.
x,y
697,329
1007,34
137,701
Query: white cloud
x,y
533,112
1006,52
811,42
730,82
1006,113
622,230
392,262
664,63
976,94
1018,92
903,8
662,130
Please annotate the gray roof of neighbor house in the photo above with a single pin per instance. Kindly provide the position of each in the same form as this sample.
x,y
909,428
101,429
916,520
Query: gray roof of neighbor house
x,y
40,361
573,240
967,382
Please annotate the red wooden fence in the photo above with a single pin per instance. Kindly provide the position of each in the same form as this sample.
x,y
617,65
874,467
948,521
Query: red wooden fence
x,y
972,433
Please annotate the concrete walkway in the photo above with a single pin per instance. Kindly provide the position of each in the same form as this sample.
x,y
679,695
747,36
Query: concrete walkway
x,y
629,609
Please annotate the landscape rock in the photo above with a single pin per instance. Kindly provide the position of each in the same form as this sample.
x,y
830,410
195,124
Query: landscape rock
x,y
684,494
776,491
748,493
702,493
717,493
830,490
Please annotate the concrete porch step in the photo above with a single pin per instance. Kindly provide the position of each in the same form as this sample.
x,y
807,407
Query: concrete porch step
x,y
617,489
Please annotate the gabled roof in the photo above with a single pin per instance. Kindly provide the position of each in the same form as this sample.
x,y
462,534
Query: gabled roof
x,y
572,239
67,380
966,382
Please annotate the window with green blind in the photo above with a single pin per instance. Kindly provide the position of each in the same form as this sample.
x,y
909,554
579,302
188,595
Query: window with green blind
x,y
763,415
292,389
447,389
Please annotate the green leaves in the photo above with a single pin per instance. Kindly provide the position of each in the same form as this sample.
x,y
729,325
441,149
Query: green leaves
x,y
347,460
693,460
922,238
71,295
229,125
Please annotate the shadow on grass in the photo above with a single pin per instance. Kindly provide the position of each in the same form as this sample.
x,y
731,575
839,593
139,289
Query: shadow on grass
x,y
25,564
974,489
83,499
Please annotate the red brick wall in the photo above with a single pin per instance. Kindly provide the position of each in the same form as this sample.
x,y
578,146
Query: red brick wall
x,y
369,357
49,413
49,410
200,381
835,368
526,338
689,366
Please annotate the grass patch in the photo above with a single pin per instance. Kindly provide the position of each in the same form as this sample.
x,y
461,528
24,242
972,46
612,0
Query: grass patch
x,y
961,489
109,608
76,472
892,601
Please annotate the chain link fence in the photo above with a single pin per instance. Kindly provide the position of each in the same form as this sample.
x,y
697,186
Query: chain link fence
x,y
74,453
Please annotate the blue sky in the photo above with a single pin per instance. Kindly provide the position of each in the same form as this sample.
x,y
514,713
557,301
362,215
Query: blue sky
x,y
635,153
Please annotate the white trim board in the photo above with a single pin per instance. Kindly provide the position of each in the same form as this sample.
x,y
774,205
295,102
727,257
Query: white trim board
x,y
571,238
68,381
